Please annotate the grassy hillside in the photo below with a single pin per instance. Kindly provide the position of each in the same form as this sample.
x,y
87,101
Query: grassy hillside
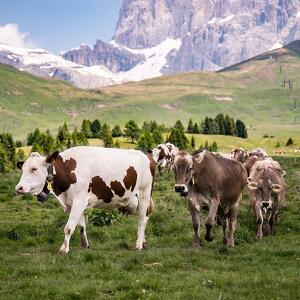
x,y
31,234
251,91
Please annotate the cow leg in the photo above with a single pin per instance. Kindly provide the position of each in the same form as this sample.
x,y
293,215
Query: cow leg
x,y
195,214
233,222
259,219
83,236
144,201
210,219
159,170
77,210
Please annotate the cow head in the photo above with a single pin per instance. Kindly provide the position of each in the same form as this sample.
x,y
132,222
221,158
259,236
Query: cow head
x,y
34,173
184,170
264,189
239,154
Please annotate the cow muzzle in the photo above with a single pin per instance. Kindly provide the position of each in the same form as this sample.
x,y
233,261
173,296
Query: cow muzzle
x,y
266,206
182,189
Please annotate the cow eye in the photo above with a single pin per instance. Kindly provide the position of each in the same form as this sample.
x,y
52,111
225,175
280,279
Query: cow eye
x,y
33,170
190,169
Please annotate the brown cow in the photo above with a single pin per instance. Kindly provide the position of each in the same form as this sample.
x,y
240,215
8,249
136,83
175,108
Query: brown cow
x,y
239,154
266,192
210,180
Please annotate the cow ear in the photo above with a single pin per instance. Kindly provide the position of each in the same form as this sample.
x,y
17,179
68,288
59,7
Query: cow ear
x,y
20,164
252,185
150,151
276,188
199,157
52,157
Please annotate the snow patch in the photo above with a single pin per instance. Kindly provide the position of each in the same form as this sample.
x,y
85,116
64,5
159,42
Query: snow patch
x,y
50,63
277,45
220,20
155,59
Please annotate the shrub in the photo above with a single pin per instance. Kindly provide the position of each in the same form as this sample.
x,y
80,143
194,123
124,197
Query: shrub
x,y
100,217
289,142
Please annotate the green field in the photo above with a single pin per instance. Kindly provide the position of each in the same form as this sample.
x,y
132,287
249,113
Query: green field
x,y
31,234
251,91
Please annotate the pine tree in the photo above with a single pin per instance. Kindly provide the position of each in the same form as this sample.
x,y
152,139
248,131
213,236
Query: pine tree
x,y
132,131
196,128
95,128
289,142
117,132
229,126
220,120
145,141
157,137
37,148
190,127
193,143
86,128
107,136
241,129
206,146
117,144
5,163
178,125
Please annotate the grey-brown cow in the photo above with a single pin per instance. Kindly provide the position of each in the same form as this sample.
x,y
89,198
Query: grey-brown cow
x,y
214,181
266,192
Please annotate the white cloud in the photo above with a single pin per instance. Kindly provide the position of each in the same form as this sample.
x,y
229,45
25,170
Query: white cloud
x,y
11,35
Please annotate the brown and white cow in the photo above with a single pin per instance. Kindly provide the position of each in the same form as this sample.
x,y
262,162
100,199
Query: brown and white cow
x,y
210,180
163,155
266,192
84,177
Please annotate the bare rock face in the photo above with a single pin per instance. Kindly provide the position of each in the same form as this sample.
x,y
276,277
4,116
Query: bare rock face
x,y
214,33
105,54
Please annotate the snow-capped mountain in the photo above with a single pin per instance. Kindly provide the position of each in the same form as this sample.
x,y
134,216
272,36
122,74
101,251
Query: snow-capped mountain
x,y
209,34
156,37
42,63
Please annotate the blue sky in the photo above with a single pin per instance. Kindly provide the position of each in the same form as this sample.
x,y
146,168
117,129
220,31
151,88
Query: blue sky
x,y
58,25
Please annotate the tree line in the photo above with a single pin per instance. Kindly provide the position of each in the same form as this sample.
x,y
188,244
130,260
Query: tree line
x,y
145,137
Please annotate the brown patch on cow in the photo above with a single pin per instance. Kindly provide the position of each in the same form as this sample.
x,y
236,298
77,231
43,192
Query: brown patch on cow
x,y
99,188
152,165
130,178
117,187
64,173
162,153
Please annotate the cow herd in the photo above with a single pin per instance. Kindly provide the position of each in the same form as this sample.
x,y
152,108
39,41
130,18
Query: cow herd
x,y
83,177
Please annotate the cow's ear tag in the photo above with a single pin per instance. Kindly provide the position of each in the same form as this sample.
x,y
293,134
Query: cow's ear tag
x,y
49,186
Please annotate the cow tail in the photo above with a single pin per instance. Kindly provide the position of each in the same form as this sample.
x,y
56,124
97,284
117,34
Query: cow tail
x,y
151,207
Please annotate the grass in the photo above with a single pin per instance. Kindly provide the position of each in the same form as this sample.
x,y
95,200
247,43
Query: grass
x,y
31,234
254,90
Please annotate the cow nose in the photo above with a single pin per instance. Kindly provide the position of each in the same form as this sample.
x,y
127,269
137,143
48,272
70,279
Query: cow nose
x,y
265,204
19,189
179,188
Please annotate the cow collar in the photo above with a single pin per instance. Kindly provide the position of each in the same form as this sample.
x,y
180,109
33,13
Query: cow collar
x,y
44,194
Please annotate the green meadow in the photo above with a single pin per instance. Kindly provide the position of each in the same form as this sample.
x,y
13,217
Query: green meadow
x,y
252,91
31,268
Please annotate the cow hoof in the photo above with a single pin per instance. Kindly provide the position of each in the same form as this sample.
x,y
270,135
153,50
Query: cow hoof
x,y
230,243
145,245
63,251
210,237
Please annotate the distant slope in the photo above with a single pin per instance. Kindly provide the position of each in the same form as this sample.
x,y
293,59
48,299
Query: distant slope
x,y
251,91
